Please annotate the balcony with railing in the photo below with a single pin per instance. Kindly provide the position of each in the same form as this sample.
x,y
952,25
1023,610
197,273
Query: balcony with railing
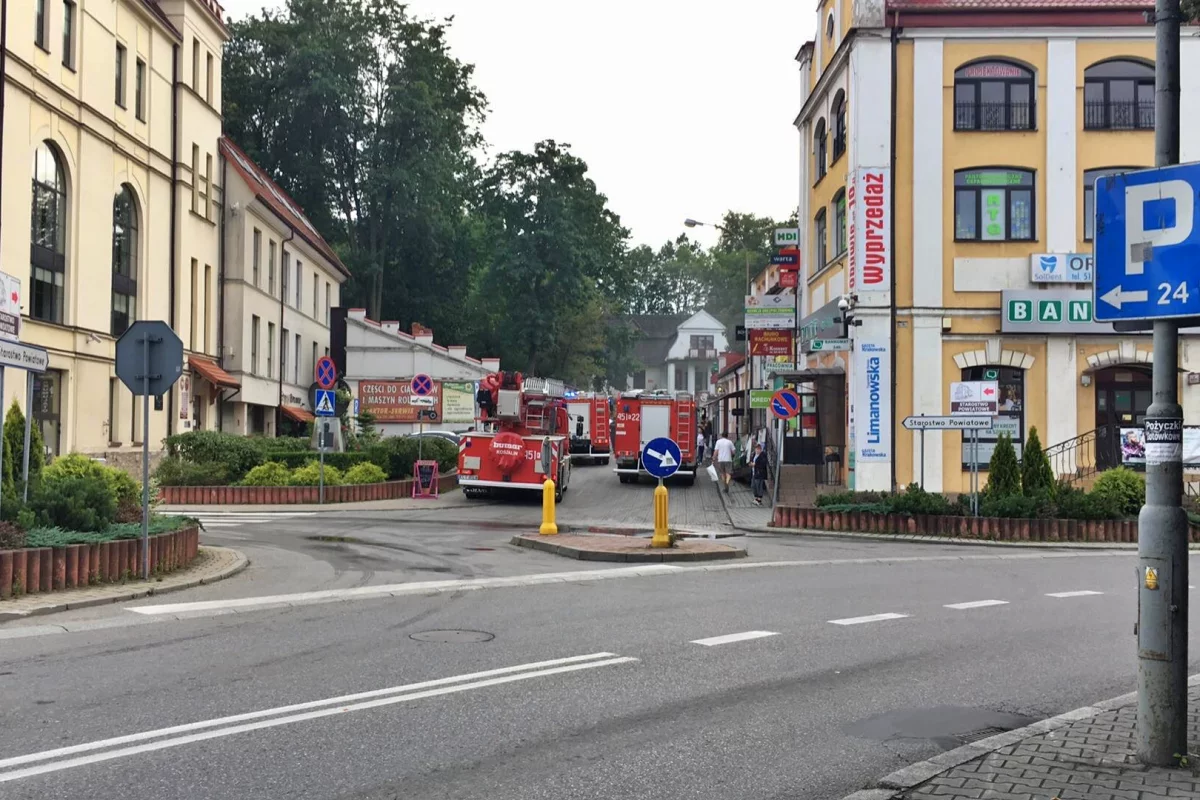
x,y
1118,115
994,116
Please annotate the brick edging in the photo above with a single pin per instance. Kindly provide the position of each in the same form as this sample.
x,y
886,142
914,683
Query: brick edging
x,y
37,570
648,557
902,781
294,495
987,528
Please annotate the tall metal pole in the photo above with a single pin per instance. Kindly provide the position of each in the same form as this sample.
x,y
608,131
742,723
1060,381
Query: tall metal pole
x,y
146,456
1162,525
28,432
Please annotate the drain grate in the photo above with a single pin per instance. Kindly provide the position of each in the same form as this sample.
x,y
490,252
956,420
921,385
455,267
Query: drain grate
x,y
453,637
982,733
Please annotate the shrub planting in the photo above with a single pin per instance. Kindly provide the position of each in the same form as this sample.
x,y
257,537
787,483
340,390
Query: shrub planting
x,y
1004,474
1036,476
310,475
364,473
1124,487
272,473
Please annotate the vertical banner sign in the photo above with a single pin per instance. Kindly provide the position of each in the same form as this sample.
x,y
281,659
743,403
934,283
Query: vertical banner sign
x,y
870,234
873,406
1163,441
852,235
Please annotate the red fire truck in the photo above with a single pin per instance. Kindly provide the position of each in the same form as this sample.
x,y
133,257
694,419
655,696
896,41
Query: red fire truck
x,y
521,436
642,416
589,427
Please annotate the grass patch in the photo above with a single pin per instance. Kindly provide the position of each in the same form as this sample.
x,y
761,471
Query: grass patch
x,y
57,537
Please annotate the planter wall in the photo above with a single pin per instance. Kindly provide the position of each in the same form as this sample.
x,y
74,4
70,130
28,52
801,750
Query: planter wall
x,y
34,570
288,495
991,528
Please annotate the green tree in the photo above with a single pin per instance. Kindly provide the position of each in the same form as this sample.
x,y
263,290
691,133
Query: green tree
x,y
14,440
1036,476
1004,474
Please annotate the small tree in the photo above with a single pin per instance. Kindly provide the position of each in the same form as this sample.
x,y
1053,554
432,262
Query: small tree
x,y
1036,476
1004,474
14,439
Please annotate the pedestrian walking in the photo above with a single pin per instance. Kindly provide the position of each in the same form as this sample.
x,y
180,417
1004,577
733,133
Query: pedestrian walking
x,y
758,480
700,447
723,459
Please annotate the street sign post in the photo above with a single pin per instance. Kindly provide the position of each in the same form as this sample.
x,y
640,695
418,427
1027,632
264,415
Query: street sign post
x,y
149,360
951,423
421,386
661,458
785,404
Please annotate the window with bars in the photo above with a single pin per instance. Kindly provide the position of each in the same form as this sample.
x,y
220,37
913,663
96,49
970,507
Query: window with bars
x,y
994,96
1118,95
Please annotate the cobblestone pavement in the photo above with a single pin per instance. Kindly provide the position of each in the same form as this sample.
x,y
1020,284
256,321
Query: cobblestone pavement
x,y
213,564
1091,757
743,513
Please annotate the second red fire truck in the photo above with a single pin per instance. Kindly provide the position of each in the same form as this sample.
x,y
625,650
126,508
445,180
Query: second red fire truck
x,y
642,416
589,423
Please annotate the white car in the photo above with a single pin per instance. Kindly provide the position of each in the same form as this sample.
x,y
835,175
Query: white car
x,y
449,436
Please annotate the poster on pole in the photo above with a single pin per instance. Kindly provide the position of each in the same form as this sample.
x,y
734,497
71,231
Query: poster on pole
x,y
10,307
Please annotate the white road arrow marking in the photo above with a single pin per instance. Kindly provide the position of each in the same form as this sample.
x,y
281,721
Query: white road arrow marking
x,y
664,459
1116,297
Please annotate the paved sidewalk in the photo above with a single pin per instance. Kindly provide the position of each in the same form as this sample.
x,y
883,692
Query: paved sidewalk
x,y
213,564
1086,754
739,505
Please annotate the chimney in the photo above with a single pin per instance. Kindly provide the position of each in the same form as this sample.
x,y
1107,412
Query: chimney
x,y
490,364
357,313
457,351
424,336
390,326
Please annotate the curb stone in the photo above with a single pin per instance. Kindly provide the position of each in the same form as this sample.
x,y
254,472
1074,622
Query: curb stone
x,y
134,592
895,785
653,557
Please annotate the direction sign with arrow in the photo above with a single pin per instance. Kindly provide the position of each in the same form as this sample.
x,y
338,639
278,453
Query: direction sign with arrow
x,y
974,398
1147,244
661,457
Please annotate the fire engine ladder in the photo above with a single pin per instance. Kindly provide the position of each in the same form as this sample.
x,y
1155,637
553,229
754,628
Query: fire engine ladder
x,y
686,434
550,387
539,394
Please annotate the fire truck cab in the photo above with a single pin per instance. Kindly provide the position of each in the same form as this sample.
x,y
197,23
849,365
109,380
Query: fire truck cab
x,y
589,424
643,416
521,437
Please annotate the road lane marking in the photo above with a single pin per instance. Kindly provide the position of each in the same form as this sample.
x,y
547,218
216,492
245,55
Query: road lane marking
x,y
733,637
861,620
1073,594
109,755
592,658
977,604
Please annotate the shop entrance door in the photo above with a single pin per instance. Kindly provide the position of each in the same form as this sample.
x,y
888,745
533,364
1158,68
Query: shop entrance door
x,y
1122,396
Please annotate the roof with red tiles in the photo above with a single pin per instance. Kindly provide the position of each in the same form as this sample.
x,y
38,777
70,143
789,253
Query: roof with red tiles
x,y
275,198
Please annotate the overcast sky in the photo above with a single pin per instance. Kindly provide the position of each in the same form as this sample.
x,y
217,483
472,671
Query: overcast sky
x,y
680,108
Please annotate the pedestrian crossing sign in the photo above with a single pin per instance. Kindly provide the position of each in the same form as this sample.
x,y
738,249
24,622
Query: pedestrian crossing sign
x,y
326,403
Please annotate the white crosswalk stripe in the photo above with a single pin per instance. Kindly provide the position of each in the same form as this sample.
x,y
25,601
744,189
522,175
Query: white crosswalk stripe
x,y
235,519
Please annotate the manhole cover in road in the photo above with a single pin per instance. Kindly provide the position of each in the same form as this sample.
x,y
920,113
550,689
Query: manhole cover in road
x,y
453,637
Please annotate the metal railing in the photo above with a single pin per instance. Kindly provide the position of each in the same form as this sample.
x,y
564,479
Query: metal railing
x,y
993,116
1118,115
1083,456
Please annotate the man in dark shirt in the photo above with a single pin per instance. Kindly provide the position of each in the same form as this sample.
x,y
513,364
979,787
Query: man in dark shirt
x,y
758,481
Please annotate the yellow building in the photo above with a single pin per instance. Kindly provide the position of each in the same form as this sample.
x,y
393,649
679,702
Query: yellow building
x,y
111,124
948,154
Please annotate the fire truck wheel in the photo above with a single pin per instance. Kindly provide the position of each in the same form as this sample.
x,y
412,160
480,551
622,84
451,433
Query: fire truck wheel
x,y
690,480
604,461
558,493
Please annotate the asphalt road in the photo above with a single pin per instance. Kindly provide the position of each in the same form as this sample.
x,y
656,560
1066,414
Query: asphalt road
x,y
757,681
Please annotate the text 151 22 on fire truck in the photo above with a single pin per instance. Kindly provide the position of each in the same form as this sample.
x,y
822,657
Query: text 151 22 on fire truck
x,y
522,437
644,416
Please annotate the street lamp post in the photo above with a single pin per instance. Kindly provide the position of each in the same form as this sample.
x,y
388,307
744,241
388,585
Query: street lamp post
x,y
692,223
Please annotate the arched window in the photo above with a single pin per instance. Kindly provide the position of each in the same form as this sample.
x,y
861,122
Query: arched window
x,y
820,145
994,204
1118,96
829,25
1010,415
1089,196
48,240
839,125
124,260
821,256
993,96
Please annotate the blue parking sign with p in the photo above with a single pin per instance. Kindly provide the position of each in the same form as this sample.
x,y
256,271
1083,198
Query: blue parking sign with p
x,y
1147,245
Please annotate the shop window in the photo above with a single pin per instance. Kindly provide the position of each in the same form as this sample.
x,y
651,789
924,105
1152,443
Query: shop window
x,y
47,407
1118,95
993,96
993,205
1010,417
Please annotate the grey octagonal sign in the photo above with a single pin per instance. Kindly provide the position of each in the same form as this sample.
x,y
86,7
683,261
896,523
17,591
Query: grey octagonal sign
x,y
163,363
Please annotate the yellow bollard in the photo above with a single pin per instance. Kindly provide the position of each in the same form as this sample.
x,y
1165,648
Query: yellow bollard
x,y
661,537
548,526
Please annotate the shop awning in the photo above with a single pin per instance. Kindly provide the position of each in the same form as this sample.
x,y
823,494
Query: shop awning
x,y
297,413
212,372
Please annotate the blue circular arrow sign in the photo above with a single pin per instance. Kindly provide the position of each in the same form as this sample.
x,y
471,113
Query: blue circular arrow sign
x,y
422,385
661,457
785,404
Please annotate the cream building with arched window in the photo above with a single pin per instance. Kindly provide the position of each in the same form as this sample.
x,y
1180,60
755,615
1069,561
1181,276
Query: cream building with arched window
x,y
110,208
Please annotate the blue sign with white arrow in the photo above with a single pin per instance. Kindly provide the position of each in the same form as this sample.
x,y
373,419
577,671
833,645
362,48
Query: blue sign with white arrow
x,y
661,457
1147,245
